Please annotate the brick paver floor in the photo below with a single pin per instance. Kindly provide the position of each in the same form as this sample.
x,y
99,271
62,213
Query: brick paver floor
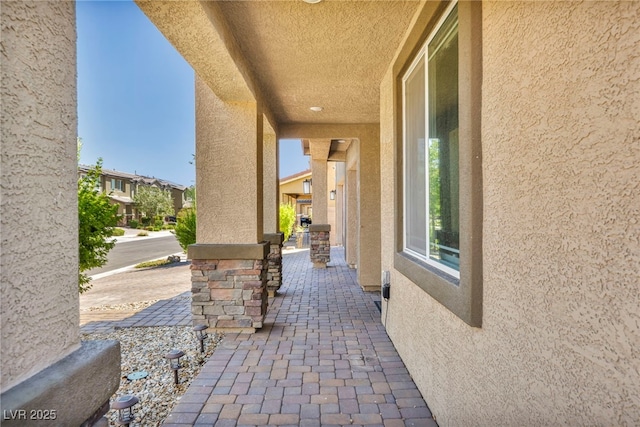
x,y
322,359
168,312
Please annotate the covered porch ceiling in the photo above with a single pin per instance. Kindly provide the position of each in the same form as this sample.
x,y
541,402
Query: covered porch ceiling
x,y
292,55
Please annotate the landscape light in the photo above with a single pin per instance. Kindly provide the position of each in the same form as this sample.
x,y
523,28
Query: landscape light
x,y
123,404
174,361
201,334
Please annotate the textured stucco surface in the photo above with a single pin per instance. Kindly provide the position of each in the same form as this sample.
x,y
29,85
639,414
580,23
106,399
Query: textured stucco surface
x,y
369,206
229,169
560,338
39,267
270,183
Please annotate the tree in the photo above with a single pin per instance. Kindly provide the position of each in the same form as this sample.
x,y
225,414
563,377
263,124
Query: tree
x,y
96,219
152,201
287,219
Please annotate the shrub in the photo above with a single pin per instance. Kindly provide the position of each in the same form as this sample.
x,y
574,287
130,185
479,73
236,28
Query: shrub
x,y
146,221
158,223
287,219
134,223
185,228
148,228
96,219
117,232
142,234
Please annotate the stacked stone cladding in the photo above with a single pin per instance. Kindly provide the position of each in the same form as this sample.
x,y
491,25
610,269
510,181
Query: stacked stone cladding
x,y
320,247
229,294
274,270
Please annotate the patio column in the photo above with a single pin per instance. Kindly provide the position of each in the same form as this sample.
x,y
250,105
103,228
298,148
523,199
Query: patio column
x,y
319,230
47,371
369,265
229,260
272,232
352,212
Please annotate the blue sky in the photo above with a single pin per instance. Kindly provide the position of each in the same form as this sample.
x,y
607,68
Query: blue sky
x,y
136,97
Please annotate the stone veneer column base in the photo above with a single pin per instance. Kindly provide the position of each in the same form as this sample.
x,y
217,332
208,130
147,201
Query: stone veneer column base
x,y
229,285
274,271
320,251
74,391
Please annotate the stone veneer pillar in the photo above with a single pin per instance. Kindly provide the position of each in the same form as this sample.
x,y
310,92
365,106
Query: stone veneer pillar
x,y
229,285
274,266
320,250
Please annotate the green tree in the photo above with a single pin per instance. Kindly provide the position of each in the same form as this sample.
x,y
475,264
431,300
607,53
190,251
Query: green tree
x,y
96,219
287,219
152,201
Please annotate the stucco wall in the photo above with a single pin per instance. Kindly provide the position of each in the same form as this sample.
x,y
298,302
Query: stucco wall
x,y
560,337
39,271
229,169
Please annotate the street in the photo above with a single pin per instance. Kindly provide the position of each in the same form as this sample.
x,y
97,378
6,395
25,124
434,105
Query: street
x,y
132,252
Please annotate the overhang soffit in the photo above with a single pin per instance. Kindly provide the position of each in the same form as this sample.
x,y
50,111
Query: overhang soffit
x,y
198,33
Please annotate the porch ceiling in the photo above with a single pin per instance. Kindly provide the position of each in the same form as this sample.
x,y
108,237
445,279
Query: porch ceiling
x,y
332,54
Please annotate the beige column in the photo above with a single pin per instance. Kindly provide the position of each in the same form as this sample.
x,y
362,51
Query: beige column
x,y
352,212
229,166
272,232
369,252
45,367
320,193
270,183
339,230
230,259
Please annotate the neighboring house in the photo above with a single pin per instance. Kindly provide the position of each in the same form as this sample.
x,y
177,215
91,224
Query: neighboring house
x,y
297,190
489,160
121,188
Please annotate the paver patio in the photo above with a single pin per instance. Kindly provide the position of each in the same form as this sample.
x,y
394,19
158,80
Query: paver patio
x,y
322,359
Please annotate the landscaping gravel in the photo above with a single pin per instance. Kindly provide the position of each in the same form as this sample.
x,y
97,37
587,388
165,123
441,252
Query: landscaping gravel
x,y
143,349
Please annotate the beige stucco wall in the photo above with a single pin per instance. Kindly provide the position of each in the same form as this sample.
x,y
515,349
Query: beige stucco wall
x,y
560,337
369,205
39,265
228,170
270,182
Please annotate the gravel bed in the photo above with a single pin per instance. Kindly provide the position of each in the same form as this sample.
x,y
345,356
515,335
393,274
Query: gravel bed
x,y
143,349
126,306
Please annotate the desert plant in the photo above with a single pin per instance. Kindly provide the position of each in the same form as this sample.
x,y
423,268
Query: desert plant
x,y
142,234
185,229
287,219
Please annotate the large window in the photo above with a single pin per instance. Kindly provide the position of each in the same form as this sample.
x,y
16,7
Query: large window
x,y
431,153
439,191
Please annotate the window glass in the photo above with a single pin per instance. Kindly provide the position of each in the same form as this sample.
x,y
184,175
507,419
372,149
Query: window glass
x,y
415,214
444,228
431,186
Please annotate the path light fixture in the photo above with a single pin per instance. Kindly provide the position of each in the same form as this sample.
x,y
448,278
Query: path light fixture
x,y
306,186
174,361
124,404
332,194
201,334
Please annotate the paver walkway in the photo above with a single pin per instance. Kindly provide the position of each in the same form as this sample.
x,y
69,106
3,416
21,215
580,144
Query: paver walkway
x,y
322,359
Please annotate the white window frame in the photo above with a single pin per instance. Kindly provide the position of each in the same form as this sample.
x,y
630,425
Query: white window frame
x,y
421,56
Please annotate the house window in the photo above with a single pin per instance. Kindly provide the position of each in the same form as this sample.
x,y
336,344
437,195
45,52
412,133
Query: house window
x,y
431,153
439,208
117,184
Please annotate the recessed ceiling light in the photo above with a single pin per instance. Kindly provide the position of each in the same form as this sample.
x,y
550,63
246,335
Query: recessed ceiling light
x,y
316,109
312,1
